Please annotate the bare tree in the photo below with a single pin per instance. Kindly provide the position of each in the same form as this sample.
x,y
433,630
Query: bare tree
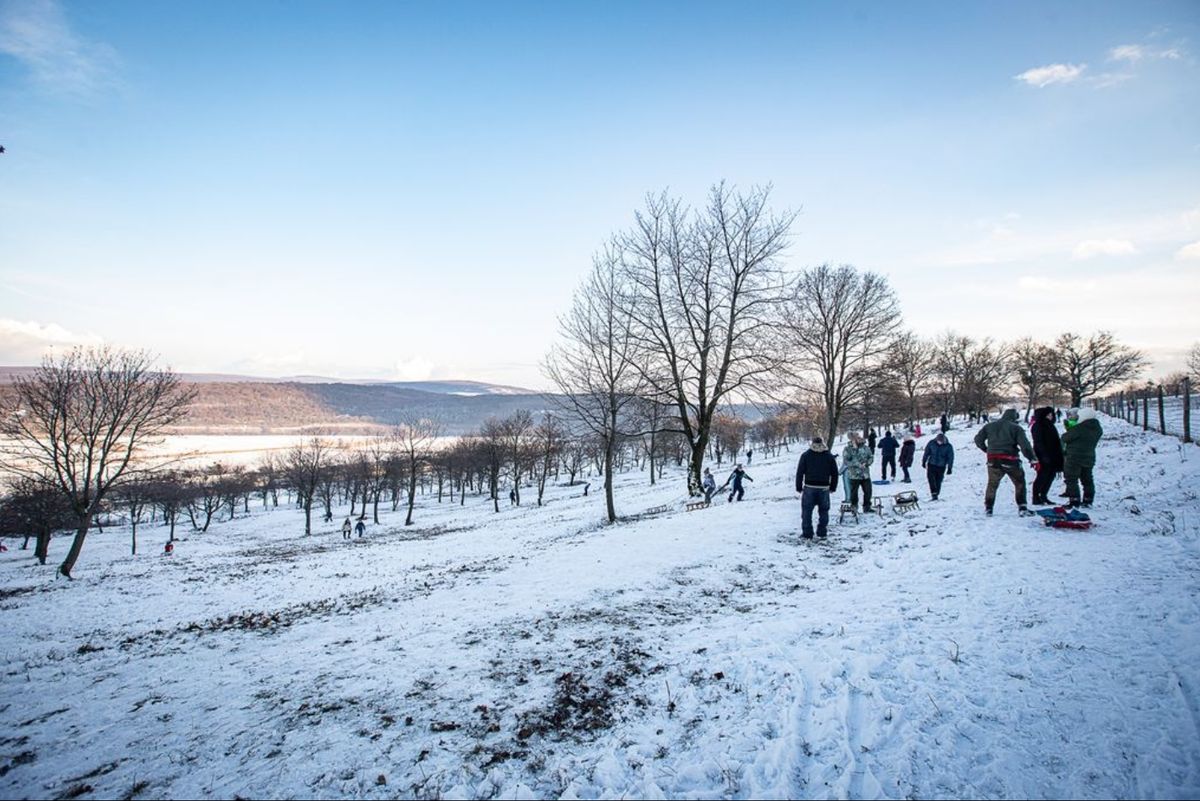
x,y
1032,363
1193,360
548,439
841,323
304,467
596,366
706,291
518,428
83,418
413,441
35,507
913,361
1085,367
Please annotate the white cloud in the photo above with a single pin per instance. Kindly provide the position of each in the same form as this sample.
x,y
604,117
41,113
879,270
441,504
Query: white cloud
x,y
1091,248
24,343
1133,53
1189,252
1052,73
36,33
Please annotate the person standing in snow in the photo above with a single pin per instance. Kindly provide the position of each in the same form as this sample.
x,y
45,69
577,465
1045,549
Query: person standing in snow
x,y
907,451
857,458
346,529
361,527
945,424
736,477
887,451
816,477
709,484
871,440
1048,449
1001,440
1079,454
749,458
938,461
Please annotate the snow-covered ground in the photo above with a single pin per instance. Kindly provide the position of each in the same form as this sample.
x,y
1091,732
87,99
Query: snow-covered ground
x,y
537,652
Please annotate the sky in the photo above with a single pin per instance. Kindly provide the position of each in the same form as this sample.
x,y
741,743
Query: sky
x,y
413,191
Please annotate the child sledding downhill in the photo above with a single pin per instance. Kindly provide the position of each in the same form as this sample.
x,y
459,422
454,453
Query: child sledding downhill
x,y
736,477
1001,440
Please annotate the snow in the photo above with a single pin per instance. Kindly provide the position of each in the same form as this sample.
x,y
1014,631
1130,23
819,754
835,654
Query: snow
x,y
540,653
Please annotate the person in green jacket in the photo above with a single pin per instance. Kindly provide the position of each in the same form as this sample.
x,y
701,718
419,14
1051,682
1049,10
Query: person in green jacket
x,y
1001,440
857,459
1079,455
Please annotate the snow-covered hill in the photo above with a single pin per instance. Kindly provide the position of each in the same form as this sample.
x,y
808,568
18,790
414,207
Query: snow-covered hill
x,y
537,652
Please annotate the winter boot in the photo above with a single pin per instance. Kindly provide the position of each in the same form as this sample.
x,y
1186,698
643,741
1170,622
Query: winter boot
x,y
1024,512
988,509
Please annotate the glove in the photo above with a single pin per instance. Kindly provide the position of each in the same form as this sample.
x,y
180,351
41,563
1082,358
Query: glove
x,y
949,470
1036,466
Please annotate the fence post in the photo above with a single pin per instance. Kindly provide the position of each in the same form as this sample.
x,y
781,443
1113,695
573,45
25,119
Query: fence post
x,y
1187,410
1133,406
1146,412
1162,420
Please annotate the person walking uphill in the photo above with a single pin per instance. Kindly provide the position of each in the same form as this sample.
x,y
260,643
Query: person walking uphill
x,y
346,529
736,477
1048,449
1079,455
887,448
1001,440
709,484
816,477
907,451
938,461
857,459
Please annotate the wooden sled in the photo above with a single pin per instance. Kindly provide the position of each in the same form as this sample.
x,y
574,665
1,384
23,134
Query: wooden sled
x,y
691,507
905,502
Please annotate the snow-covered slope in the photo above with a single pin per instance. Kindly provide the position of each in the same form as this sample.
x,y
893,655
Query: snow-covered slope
x,y
703,654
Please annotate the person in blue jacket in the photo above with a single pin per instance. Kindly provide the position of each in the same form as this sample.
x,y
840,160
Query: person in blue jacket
x,y
938,461
887,449
736,477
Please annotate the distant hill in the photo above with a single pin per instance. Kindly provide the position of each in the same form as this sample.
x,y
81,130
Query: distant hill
x,y
232,404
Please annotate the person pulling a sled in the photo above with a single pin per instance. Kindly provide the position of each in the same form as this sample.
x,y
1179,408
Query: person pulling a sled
x,y
709,485
736,477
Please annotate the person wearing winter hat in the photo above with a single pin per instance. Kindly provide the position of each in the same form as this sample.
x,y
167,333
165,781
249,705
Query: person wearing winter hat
x,y
816,477
907,451
1048,449
857,458
1079,455
1001,440
938,461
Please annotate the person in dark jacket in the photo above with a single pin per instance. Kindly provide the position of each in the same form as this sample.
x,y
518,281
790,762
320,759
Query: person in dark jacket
x,y
945,424
1079,455
887,450
1048,449
816,477
1001,440
871,437
938,461
736,477
361,527
907,451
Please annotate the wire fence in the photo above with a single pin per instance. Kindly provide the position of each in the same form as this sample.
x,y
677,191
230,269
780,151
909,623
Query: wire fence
x,y
1154,410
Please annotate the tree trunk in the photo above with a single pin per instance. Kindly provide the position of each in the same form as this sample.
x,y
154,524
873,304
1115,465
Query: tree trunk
x,y
412,495
133,540
76,545
696,466
608,482
308,517
41,548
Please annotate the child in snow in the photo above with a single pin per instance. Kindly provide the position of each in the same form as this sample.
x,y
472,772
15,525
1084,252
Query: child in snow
x,y
361,527
736,477
346,529
709,484
1079,454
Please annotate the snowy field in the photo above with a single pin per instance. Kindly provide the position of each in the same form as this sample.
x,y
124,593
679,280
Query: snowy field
x,y
708,654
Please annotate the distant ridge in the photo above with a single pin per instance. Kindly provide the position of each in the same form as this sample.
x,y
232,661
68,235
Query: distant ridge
x,y
449,387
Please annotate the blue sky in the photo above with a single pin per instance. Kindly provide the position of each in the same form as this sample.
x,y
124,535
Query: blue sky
x,y
414,190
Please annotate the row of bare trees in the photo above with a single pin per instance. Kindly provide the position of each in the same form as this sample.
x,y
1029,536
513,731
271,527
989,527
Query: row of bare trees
x,y
690,310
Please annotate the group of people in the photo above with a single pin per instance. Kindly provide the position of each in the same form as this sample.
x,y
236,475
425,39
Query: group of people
x,y
817,473
359,529
1003,440
738,491
1073,455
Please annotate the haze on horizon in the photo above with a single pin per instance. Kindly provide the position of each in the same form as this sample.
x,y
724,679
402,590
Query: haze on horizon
x,y
413,191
